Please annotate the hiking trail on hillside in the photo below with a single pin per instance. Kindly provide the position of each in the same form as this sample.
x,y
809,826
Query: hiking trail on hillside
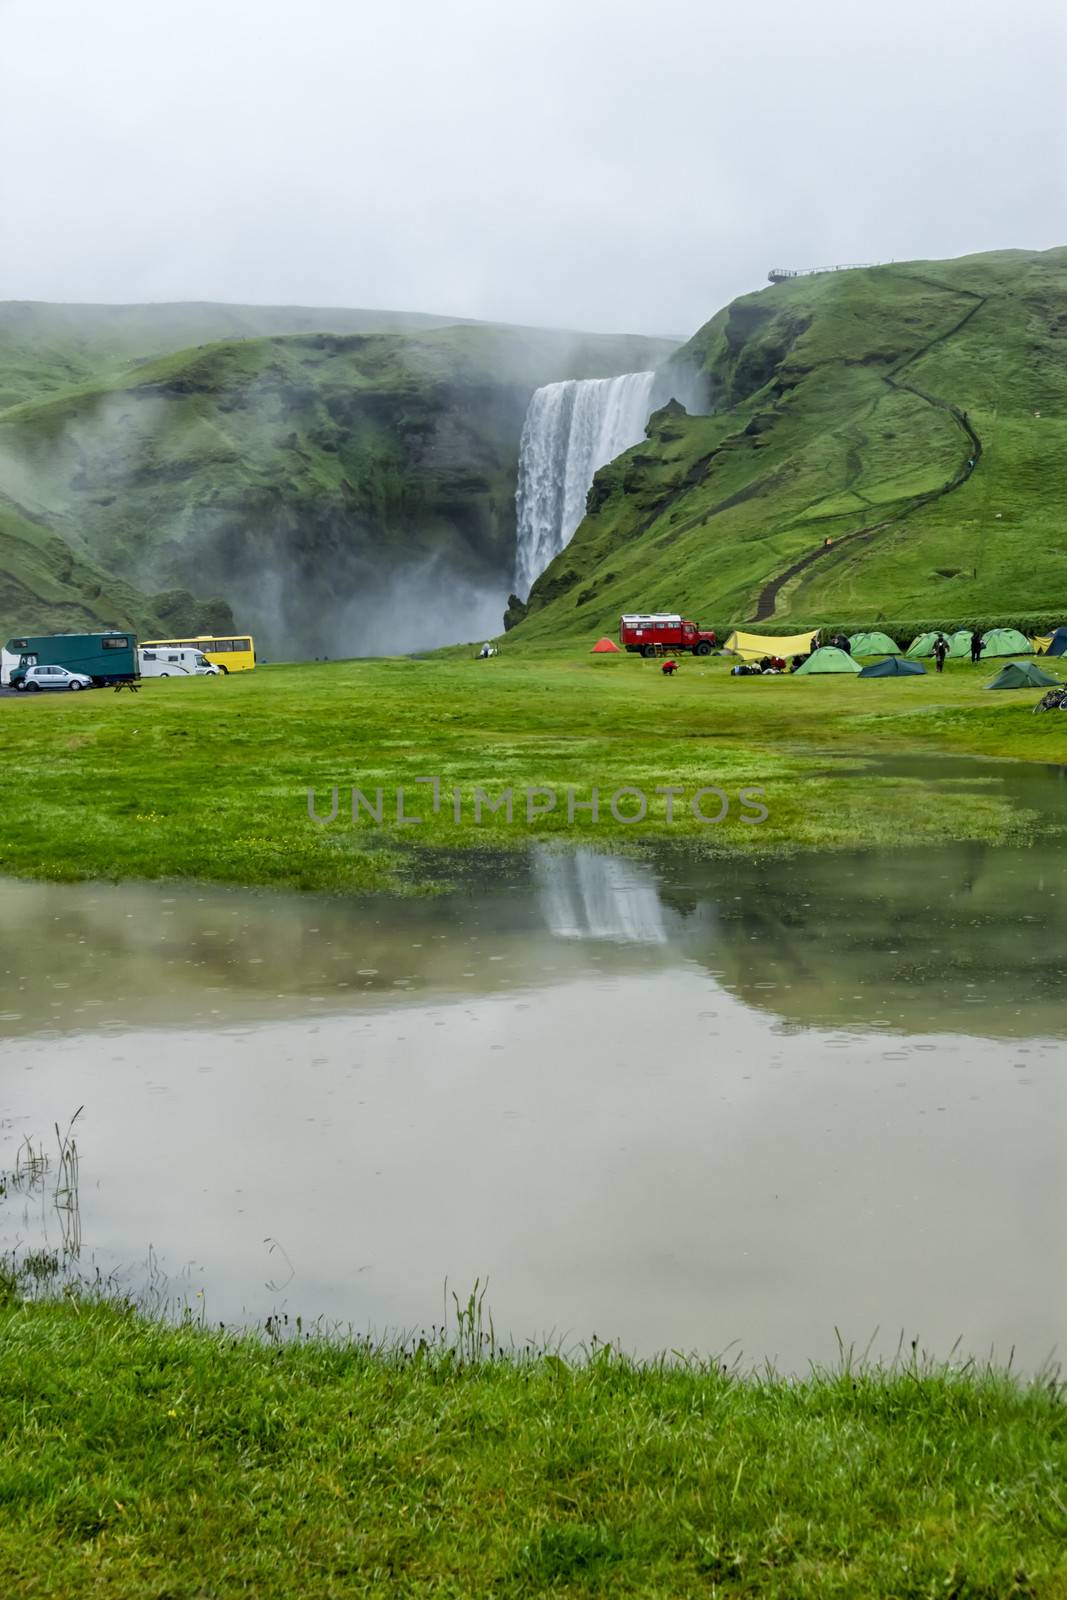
x,y
768,595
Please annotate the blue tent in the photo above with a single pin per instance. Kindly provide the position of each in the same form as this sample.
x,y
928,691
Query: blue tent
x,y
1058,647
894,667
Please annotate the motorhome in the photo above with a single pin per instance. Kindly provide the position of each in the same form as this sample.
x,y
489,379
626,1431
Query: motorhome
x,y
105,657
231,655
175,662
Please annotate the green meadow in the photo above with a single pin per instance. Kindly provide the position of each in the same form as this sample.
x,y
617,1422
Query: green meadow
x,y
210,778
140,1459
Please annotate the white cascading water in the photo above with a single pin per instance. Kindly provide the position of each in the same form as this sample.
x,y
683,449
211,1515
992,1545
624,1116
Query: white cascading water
x,y
572,429
585,895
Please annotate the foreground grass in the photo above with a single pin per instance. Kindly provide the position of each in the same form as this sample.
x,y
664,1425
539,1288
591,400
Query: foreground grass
x,y
138,1459
209,778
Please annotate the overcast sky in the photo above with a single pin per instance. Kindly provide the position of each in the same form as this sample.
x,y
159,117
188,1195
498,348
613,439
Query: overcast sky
x,y
581,163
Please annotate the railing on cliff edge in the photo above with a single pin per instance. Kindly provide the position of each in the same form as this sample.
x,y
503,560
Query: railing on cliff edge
x,y
781,274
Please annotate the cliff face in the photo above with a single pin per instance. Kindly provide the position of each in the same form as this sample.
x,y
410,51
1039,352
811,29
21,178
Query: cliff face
x,y
885,442
315,482
46,588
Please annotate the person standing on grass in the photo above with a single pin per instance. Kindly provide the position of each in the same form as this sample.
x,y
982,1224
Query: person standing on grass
x,y
977,646
940,651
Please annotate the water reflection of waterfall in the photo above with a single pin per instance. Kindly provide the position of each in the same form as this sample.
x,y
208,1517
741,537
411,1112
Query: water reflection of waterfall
x,y
572,429
589,896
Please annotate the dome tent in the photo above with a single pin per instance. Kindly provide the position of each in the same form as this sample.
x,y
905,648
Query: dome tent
x,y
828,659
1022,675
1006,642
923,645
959,643
1058,647
605,647
894,667
873,644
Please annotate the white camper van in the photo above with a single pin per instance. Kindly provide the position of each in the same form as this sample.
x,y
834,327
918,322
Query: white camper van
x,y
7,661
175,661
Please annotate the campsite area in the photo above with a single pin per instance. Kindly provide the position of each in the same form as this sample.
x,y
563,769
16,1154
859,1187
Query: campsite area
x,y
209,778
317,1114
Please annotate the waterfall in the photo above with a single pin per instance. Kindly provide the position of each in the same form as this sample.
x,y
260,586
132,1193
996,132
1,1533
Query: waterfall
x,y
572,429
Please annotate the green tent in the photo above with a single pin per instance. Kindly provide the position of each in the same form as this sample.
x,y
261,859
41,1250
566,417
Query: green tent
x,y
959,643
873,644
829,659
1006,642
922,646
1021,675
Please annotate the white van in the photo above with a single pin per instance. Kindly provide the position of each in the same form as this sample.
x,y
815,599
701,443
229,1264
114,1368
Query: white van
x,y
176,662
7,661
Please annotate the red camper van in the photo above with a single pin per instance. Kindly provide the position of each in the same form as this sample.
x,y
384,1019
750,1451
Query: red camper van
x,y
649,632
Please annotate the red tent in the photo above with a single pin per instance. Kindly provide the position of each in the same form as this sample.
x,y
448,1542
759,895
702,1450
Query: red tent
x,y
604,647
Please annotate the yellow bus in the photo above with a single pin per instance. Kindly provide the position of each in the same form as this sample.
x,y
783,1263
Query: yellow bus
x,y
232,655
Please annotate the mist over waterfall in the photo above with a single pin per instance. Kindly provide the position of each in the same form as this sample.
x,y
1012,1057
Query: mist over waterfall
x,y
572,429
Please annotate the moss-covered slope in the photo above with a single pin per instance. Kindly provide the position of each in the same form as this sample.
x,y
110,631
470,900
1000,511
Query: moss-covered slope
x,y
312,480
847,407
46,348
45,587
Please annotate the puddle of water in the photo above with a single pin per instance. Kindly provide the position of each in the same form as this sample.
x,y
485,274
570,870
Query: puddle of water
x,y
964,937
681,1104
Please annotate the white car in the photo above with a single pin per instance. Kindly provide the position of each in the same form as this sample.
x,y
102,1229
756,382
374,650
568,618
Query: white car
x,y
53,678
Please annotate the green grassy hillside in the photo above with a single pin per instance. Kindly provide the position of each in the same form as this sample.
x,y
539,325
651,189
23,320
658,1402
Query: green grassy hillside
x,y
46,348
321,482
43,582
846,406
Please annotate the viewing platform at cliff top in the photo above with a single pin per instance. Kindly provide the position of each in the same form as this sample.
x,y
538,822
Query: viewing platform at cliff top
x,y
781,274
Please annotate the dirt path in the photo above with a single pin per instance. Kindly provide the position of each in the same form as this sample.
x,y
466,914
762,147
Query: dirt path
x,y
768,595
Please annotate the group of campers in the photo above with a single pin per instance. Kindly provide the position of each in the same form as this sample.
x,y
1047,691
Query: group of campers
x,y
748,669
940,648
874,654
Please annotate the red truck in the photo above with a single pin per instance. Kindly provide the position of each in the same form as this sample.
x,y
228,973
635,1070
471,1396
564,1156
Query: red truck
x,y
648,632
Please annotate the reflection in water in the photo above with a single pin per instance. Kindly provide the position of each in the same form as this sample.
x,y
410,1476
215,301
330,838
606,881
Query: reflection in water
x,y
963,937
670,1101
584,895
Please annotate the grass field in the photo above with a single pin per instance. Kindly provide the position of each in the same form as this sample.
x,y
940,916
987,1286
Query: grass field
x,y
210,778
138,1460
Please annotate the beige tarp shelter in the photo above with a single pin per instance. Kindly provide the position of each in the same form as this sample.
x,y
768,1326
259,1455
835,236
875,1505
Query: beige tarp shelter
x,y
751,646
